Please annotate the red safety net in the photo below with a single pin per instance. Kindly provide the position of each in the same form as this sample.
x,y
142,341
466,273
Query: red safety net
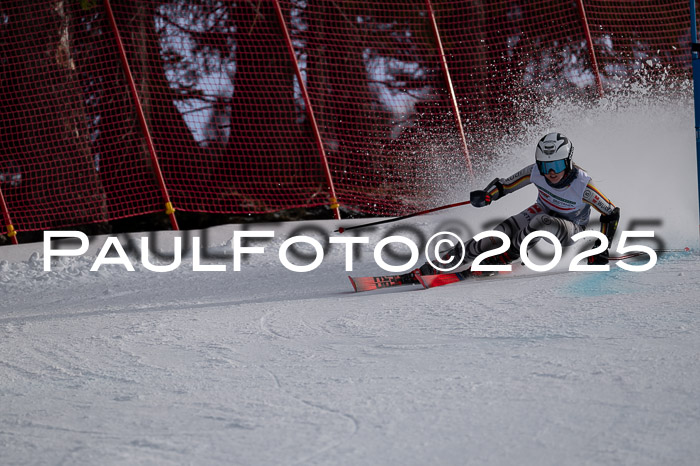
x,y
228,119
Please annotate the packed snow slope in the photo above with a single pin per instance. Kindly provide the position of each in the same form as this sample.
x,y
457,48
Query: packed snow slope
x,y
267,366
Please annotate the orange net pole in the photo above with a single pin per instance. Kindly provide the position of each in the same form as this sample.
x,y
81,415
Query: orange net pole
x,y
310,112
169,209
450,87
591,48
11,232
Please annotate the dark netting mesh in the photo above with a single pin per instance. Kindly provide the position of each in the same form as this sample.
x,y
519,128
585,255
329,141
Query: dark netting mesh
x,y
227,115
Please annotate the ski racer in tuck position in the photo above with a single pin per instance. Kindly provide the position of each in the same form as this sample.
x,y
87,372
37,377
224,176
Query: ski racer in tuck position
x,y
565,197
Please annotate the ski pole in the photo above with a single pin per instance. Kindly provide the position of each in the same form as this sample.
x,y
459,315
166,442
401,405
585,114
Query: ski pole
x,y
396,219
641,253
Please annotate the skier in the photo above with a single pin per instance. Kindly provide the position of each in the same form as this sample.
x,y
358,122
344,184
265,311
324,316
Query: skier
x,y
566,194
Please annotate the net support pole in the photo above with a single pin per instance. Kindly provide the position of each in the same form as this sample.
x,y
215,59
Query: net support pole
x,y
11,232
169,210
309,111
591,49
450,87
695,52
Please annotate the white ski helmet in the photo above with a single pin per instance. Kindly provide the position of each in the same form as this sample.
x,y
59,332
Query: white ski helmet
x,y
554,152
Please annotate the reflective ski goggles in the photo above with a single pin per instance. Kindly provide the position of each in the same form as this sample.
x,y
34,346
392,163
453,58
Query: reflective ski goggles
x,y
557,165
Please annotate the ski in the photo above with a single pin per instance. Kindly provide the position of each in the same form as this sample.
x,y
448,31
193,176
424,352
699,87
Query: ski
x,y
431,281
375,283
640,253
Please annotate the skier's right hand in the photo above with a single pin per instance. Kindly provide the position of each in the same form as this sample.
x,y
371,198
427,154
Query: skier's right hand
x,y
599,259
479,198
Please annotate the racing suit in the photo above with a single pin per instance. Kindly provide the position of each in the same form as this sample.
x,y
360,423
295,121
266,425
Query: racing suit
x,y
563,209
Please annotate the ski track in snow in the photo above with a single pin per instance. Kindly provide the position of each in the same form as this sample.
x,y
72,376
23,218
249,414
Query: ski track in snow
x,y
267,366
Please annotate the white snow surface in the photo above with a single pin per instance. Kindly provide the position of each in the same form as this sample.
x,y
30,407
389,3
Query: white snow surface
x,y
266,366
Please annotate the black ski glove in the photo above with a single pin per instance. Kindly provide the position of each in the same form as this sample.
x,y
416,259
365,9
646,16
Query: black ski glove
x,y
599,259
479,198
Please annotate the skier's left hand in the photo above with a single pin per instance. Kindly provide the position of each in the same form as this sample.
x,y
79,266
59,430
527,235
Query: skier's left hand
x,y
479,198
